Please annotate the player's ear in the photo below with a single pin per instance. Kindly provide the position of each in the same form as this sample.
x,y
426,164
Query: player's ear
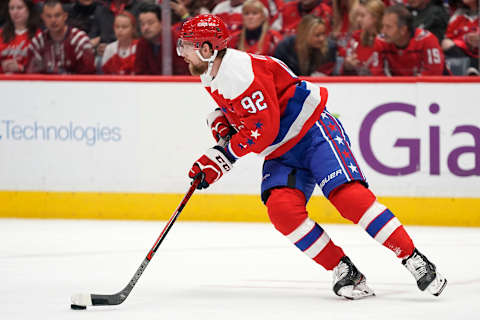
x,y
206,50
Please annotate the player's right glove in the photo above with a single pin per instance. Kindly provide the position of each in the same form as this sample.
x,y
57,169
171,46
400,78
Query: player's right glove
x,y
211,166
221,128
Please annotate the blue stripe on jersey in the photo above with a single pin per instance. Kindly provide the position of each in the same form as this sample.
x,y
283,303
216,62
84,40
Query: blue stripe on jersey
x,y
293,109
379,222
305,243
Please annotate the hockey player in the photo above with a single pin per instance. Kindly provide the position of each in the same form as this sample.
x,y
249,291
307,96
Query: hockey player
x,y
267,110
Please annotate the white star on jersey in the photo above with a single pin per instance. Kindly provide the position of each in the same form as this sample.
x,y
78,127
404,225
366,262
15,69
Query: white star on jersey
x,y
255,134
324,115
339,140
352,167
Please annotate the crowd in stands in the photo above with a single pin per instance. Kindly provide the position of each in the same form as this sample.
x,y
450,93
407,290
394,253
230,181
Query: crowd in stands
x,y
312,37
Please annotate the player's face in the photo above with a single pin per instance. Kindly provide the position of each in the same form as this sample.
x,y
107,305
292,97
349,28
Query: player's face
x,y
54,18
318,37
390,29
150,26
18,12
188,52
123,28
252,18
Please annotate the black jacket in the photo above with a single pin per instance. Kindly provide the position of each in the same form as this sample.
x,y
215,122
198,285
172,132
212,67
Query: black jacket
x,y
433,18
82,17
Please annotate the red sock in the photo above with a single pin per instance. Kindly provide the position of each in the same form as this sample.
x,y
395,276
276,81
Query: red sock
x,y
287,211
358,204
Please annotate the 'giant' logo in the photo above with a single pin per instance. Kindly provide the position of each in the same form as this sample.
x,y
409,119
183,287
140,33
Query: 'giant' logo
x,y
413,145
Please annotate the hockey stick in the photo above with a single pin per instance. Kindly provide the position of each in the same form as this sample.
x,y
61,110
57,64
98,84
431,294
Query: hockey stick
x,y
82,300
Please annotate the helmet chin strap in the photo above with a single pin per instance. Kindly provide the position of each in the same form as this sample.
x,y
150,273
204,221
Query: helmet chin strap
x,y
207,75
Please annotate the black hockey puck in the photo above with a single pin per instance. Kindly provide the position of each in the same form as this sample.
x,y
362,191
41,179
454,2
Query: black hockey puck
x,y
77,307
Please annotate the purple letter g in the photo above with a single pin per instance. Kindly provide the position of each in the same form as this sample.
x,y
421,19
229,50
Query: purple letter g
x,y
412,144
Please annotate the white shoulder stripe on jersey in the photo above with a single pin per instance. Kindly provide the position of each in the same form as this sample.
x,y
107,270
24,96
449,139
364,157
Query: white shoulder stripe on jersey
x,y
234,76
308,108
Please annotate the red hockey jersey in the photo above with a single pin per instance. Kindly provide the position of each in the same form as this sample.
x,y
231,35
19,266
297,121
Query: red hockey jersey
x,y
366,55
73,55
459,25
16,49
115,61
290,15
421,57
232,16
266,103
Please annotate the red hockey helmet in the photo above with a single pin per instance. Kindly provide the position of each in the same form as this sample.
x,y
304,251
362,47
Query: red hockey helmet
x,y
204,28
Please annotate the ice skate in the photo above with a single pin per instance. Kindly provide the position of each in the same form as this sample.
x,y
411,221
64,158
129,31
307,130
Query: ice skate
x,y
348,282
425,273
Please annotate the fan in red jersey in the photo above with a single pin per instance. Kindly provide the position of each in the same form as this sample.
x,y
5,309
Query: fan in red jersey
x,y
273,113
230,11
60,49
255,35
463,37
406,51
360,53
119,56
15,36
292,12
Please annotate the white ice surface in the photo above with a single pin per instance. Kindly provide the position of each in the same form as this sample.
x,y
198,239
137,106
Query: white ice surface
x,y
222,271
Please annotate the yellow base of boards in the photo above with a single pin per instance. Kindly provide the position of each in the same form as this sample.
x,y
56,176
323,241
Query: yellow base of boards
x,y
228,208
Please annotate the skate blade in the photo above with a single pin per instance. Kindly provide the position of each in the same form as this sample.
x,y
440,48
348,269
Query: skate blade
x,y
355,293
437,285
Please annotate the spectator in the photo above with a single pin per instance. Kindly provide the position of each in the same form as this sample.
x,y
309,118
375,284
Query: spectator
x,y
148,60
184,9
342,29
230,11
81,15
20,27
102,31
273,7
292,12
59,49
310,52
429,15
407,51
462,38
360,54
119,56
255,36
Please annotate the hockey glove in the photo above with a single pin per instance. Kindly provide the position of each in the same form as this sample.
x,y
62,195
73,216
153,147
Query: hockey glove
x,y
211,166
221,128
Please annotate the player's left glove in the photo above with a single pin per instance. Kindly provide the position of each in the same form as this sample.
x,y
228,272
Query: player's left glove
x,y
211,166
221,128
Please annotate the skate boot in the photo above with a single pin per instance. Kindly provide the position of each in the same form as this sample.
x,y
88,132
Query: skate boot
x,y
425,273
348,282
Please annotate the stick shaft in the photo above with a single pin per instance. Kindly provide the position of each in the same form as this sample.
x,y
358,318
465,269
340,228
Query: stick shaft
x,y
119,297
